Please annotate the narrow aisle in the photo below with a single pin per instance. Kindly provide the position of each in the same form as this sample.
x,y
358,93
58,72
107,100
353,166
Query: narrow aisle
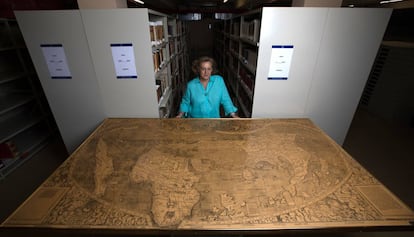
x,y
384,149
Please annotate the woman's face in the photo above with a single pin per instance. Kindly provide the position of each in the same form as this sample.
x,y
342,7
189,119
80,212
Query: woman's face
x,y
205,70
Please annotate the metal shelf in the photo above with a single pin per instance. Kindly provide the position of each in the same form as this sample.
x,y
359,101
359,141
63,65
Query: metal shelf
x,y
22,120
11,102
18,122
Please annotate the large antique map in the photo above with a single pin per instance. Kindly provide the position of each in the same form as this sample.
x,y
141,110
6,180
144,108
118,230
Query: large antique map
x,y
210,174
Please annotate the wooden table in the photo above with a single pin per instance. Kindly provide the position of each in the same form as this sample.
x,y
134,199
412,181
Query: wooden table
x,y
209,174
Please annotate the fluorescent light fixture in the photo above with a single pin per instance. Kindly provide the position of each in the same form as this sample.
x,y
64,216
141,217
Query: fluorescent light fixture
x,y
223,16
390,1
190,16
139,1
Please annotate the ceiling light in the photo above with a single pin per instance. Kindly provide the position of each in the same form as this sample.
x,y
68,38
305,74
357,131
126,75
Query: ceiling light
x,y
224,1
139,1
390,1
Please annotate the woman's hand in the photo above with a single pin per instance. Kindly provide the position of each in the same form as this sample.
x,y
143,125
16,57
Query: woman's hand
x,y
234,115
179,115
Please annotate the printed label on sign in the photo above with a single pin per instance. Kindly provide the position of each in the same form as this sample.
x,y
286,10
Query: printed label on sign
x,y
280,62
124,61
56,61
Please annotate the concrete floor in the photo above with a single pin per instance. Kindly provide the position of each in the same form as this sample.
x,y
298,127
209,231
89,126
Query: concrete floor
x,y
384,149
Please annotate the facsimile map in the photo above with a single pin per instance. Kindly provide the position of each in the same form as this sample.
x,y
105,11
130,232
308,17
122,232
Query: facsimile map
x,y
203,174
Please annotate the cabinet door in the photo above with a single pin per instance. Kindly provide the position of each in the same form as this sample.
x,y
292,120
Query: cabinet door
x,y
302,28
75,101
349,45
123,97
333,52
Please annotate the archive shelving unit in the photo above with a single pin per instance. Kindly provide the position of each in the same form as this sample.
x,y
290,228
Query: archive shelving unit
x,y
26,123
238,41
177,35
172,70
159,55
87,36
324,62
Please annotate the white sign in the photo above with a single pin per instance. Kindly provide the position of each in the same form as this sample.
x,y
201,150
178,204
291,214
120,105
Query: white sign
x,y
124,61
56,61
280,61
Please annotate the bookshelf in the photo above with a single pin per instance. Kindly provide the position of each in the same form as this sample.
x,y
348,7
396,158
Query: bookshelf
x,y
26,123
238,40
170,61
177,35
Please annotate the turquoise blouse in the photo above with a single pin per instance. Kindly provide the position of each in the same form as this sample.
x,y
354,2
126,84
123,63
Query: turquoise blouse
x,y
198,102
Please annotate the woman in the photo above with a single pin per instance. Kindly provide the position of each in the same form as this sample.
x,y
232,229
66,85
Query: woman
x,y
205,93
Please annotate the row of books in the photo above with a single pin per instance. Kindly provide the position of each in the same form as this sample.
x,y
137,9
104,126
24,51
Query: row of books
x,y
249,56
175,31
246,78
232,61
246,100
172,47
234,47
156,32
250,30
173,66
178,46
162,84
159,57
235,29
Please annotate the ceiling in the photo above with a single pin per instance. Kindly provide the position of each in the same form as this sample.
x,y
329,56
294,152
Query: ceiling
x,y
236,6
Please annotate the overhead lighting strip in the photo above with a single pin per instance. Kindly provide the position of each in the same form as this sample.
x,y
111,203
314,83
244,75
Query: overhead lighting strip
x,y
390,1
139,1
